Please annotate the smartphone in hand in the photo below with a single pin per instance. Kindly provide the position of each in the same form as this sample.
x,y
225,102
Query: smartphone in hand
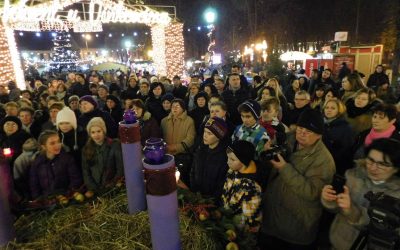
x,y
338,183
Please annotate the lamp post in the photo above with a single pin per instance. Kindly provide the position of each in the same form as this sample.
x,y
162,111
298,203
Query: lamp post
x,y
87,37
210,15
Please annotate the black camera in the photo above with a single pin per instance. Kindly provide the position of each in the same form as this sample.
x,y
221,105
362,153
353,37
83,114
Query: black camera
x,y
383,229
272,154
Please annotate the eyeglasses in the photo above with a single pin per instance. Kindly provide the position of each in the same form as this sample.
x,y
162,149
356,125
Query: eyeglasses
x,y
304,131
380,165
300,99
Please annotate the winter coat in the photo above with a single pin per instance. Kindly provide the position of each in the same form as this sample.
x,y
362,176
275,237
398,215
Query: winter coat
x,y
117,112
292,206
360,119
180,92
198,115
233,100
177,130
338,139
293,115
359,143
242,194
154,106
14,141
105,166
148,128
130,93
80,89
209,170
377,79
111,125
73,144
56,175
342,233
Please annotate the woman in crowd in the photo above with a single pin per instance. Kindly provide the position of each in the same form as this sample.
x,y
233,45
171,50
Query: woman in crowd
x,y
359,110
273,83
350,85
265,93
12,137
153,103
53,171
179,133
210,89
62,93
304,83
383,126
113,106
317,99
337,135
291,91
192,92
166,103
101,157
201,110
148,125
378,172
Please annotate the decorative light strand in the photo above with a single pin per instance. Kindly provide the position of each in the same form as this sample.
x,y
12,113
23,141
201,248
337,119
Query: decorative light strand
x,y
159,57
10,66
174,49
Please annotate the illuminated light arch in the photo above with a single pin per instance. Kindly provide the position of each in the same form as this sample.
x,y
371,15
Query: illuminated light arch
x,y
167,34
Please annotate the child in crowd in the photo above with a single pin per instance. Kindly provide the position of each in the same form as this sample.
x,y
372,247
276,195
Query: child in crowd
x,y
22,166
251,130
269,120
101,157
242,193
54,170
53,111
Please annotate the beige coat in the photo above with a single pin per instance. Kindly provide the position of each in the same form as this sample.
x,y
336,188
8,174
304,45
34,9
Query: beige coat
x,y
177,130
292,206
342,233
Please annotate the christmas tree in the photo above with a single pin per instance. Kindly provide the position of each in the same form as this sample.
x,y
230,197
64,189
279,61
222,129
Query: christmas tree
x,y
65,58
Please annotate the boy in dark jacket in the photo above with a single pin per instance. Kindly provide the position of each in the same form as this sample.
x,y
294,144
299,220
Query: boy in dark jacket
x,y
209,167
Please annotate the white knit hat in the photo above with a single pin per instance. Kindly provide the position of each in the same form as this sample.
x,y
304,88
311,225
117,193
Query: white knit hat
x,y
66,115
96,122
153,79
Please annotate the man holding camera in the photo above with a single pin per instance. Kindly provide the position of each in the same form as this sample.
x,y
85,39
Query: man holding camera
x,y
292,207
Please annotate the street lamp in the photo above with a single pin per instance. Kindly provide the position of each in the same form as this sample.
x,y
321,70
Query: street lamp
x,y
87,37
210,15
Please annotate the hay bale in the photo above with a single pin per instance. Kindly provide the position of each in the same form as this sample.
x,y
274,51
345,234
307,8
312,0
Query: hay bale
x,y
102,224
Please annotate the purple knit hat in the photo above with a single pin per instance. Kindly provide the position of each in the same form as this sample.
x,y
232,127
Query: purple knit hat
x,y
90,99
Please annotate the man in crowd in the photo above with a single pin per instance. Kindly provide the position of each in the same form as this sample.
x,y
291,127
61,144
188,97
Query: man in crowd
x,y
292,207
378,78
233,96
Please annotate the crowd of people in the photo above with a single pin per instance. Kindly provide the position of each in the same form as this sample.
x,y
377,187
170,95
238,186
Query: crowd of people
x,y
267,150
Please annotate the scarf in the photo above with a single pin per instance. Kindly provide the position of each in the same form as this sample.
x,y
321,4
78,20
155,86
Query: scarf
x,y
373,135
353,111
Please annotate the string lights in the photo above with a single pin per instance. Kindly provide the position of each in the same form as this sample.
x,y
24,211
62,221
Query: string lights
x,y
159,57
174,49
46,16
10,65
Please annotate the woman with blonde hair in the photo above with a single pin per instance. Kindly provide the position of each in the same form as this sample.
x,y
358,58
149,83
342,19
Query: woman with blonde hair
x,y
337,135
273,83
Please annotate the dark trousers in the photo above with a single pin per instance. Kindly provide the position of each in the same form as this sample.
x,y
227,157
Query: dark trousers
x,y
266,242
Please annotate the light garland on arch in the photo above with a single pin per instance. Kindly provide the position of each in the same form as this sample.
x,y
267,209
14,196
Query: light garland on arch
x,y
175,50
159,56
10,64
47,16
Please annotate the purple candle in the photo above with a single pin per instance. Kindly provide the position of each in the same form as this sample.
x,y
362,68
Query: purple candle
x,y
129,117
154,150
162,204
6,221
132,154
